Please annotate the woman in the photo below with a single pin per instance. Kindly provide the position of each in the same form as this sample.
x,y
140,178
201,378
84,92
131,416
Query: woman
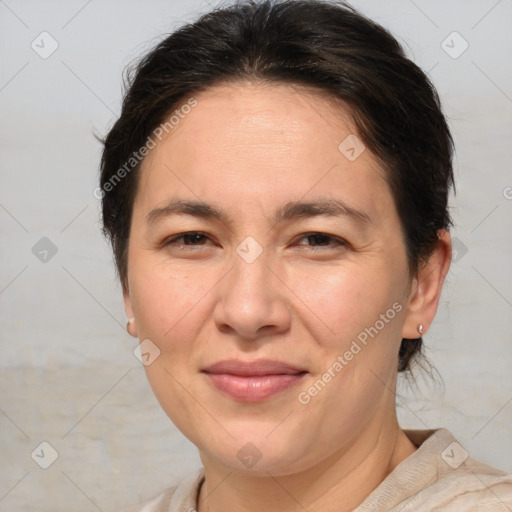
x,y
275,191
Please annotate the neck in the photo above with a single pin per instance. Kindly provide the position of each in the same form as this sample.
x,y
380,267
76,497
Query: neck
x,y
339,483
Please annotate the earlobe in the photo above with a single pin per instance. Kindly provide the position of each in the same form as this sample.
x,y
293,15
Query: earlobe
x,y
130,324
130,327
427,287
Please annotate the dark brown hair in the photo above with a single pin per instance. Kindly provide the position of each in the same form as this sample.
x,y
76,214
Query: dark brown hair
x,y
324,45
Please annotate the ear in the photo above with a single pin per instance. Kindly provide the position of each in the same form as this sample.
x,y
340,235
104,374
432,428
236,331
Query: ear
x,y
426,288
131,325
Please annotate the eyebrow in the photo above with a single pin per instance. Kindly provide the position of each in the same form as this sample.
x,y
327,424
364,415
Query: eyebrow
x,y
290,211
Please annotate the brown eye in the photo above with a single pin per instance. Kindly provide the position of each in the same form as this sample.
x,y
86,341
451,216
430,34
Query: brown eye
x,y
192,238
323,240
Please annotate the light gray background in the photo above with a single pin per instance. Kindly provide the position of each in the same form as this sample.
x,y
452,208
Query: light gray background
x,y
68,373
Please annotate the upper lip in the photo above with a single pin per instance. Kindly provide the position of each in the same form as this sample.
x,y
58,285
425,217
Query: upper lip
x,y
258,367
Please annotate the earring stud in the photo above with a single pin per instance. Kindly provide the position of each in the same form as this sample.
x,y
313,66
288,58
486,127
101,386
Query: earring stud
x,y
420,328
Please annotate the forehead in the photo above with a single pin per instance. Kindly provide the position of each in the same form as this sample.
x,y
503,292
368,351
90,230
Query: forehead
x,y
262,143
264,114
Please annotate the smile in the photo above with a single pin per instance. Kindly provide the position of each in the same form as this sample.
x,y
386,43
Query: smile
x,y
253,381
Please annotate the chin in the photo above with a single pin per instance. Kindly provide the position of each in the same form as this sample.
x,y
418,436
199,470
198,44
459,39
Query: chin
x,y
254,451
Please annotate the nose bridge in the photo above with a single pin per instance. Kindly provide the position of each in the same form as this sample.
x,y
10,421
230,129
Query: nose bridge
x,y
251,276
249,297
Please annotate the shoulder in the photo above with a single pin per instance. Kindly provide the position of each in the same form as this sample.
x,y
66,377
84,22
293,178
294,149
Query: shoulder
x,y
474,487
159,503
440,476
178,498
456,480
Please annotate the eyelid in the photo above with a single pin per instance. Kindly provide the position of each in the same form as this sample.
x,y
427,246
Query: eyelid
x,y
335,240
177,236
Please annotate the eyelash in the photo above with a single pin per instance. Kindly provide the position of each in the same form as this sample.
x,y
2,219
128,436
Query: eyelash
x,y
339,242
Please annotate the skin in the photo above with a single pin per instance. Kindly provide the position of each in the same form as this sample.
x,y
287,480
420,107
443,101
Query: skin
x,y
248,149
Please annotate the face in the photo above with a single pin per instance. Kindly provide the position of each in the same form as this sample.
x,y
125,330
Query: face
x,y
274,310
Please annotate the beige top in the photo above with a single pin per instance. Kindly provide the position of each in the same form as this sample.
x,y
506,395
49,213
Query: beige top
x,y
438,476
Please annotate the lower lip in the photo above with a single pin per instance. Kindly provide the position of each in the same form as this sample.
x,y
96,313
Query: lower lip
x,y
253,388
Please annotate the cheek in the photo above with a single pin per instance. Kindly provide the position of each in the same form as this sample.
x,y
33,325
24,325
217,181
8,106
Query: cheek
x,y
166,298
345,299
167,305
359,331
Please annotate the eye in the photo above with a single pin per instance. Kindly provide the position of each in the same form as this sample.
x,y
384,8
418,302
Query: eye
x,y
316,241
192,238
323,240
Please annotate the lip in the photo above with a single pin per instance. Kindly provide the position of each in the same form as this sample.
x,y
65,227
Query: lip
x,y
255,368
253,381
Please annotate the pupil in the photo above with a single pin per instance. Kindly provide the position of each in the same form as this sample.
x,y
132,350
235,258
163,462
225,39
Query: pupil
x,y
196,237
319,239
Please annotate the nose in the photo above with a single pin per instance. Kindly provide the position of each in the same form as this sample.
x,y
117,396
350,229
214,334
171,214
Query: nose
x,y
253,300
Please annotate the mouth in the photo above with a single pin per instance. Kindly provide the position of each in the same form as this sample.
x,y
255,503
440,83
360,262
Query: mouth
x,y
253,381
